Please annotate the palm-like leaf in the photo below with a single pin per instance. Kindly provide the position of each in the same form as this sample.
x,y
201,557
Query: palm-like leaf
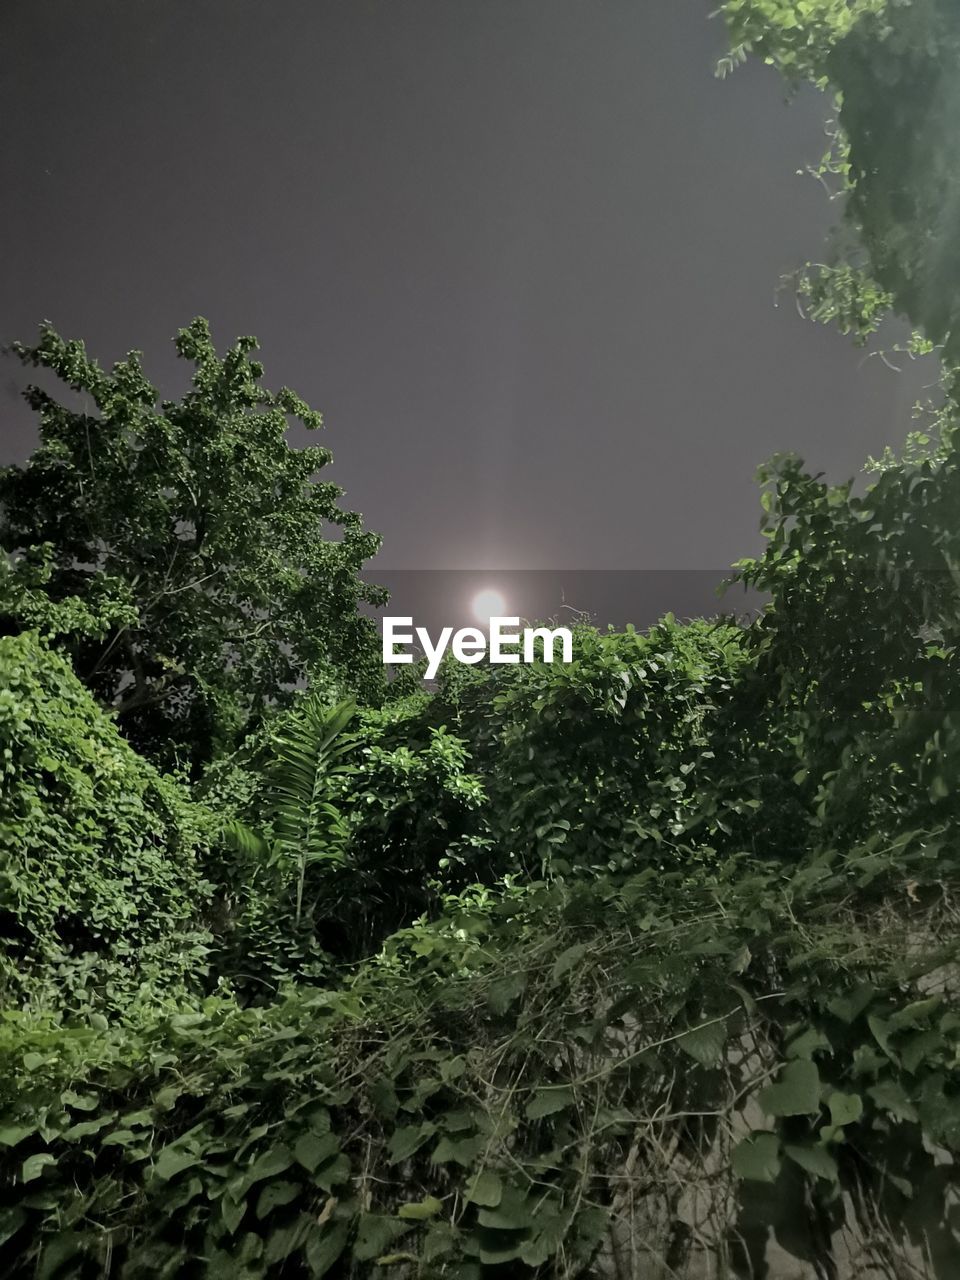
x,y
244,840
310,749
307,826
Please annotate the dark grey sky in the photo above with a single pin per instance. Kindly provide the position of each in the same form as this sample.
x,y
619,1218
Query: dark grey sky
x,y
521,253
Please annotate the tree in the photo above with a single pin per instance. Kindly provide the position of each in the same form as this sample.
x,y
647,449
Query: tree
x,y
213,570
893,68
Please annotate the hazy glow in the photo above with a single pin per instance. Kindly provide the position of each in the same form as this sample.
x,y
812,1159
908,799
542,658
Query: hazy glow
x,y
488,604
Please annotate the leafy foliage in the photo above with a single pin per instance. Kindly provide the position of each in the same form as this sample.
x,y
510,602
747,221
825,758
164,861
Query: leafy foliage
x,y
594,765
194,535
273,926
307,828
642,965
858,660
898,77
399,818
515,1083
742,1020
892,66
101,858
797,36
528,770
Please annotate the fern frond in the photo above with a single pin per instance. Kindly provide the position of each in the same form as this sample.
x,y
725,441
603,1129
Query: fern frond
x,y
309,754
243,840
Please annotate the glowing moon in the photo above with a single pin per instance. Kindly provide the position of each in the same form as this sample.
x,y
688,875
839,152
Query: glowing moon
x,y
488,604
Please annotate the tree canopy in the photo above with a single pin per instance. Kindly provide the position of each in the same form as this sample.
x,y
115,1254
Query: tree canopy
x,y
213,565
892,68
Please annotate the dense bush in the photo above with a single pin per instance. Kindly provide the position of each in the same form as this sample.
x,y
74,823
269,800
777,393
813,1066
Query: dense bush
x,y
585,769
598,765
101,883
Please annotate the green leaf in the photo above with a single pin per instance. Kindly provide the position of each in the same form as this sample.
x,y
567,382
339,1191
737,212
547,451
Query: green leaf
x,y
375,1234
276,1160
33,1166
138,1120
332,1173
80,1101
420,1210
849,1007
757,1158
11,1134
311,1149
889,1096
485,1189
452,1068
11,1220
461,1150
232,1212
797,1092
285,1239
807,1043
173,1160
923,1046
86,1127
186,1021
276,1194
384,1097
65,1246
916,1012
462,1118
495,1248
325,1246
882,1031
551,1224
439,1241
814,1159
547,1101
409,1138
119,1138
845,1108
513,1213
705,1043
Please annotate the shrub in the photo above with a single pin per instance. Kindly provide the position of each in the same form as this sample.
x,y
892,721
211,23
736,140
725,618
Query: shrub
x,y
100,855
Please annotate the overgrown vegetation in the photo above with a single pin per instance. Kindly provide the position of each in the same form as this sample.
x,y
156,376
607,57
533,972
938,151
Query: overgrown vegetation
x,y
182,551
632,967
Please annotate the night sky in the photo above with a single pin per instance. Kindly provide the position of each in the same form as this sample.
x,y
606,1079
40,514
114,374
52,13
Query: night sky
x,y
521,253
